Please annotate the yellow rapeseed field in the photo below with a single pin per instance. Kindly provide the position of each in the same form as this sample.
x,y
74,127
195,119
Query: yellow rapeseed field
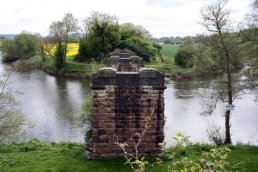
x,y
72,49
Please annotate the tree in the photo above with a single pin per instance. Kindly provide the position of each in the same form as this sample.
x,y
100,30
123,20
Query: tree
x,y
22,46
251,47
101,36
11,121
184,56
252,17
223,45
129,29
136,38
9,50
59,35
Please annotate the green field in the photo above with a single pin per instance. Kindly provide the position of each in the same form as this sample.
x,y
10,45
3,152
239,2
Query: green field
x,y
169,50
167,66
56,157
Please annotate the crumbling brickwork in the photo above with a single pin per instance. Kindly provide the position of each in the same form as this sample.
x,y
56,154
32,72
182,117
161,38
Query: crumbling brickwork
x,y
121,103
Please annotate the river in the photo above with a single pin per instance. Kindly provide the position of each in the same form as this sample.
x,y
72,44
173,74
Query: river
x,y
53,104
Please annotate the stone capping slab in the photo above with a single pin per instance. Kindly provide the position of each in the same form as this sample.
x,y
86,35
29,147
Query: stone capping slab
x,y
136,58
106,72
114,58
98,87
126,73
159,87
125,63
150,73
145,76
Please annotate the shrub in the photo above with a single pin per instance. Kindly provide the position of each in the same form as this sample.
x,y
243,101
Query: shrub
x,y
216,135
184,58
86,118
22,46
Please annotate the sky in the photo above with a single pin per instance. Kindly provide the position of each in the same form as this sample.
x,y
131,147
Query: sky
x,y
160,17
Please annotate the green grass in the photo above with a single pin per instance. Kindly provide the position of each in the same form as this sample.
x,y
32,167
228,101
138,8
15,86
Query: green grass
x,y
49,156
168,67
246,156
43,156
80,69
169,50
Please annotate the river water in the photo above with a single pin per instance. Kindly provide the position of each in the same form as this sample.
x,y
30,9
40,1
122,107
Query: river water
x,y
53,104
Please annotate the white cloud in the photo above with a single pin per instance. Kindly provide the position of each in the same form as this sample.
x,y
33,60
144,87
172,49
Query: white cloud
x,y
160,17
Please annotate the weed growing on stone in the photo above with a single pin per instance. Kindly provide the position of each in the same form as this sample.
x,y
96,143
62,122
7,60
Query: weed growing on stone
x,y
137,162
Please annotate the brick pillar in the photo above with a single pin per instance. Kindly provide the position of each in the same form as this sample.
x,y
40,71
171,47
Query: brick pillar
x,y
121,101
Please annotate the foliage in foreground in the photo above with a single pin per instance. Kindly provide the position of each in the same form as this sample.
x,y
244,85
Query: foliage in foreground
x,y
12,122
215,159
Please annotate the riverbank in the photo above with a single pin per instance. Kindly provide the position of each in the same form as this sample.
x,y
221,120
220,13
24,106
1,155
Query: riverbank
x,y
85,70
64,156
72,69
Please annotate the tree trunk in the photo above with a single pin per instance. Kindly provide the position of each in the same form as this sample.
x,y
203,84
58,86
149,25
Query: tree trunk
x,y
227,127
230,101
229,86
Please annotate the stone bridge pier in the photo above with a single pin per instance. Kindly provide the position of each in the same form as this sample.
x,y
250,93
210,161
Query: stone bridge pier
x,y
123,95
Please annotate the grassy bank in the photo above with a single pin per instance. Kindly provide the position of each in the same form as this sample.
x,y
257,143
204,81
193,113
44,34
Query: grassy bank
x,y
45,156
84,70
166,65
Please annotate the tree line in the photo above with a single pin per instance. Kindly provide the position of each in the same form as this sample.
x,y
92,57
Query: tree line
x,y
101,33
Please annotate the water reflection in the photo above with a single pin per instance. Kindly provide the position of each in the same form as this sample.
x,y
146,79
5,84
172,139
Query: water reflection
x,y
51,103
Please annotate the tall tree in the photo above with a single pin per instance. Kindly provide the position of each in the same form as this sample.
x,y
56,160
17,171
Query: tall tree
x,y
138,39
101,36
60,34
223,45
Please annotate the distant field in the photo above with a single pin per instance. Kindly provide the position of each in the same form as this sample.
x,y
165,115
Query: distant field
x,y
169,50
72,49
